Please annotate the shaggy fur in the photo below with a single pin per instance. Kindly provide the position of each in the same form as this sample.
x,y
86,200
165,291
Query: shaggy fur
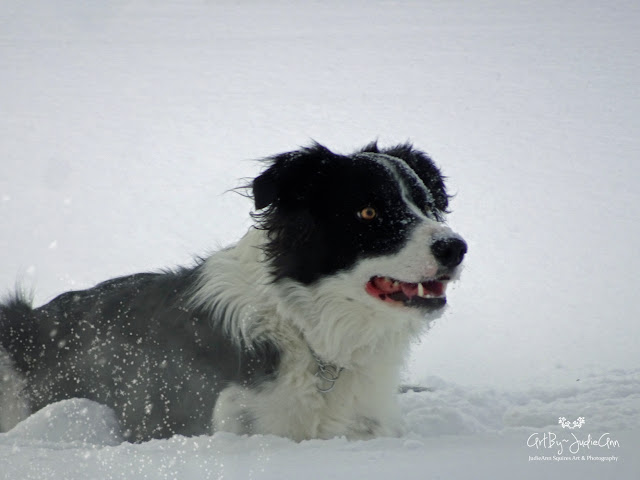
x,y
348,263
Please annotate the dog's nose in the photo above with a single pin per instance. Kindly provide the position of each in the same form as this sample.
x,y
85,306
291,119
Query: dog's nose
x,y
449,251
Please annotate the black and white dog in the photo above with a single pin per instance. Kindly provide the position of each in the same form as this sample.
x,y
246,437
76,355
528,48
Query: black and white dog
x,y
299,330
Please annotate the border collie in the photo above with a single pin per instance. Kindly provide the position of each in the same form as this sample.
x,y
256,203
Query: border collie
x,y
299,330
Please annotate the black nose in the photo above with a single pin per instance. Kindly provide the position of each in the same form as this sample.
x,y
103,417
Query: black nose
x,y
449,251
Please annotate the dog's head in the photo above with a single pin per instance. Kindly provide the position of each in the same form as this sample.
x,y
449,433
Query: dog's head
x,y
376,214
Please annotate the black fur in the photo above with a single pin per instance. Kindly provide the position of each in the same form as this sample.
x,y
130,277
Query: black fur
x,y
313,235
133,344
424,167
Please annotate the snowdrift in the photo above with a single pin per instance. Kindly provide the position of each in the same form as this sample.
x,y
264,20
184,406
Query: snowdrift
x,y
451,432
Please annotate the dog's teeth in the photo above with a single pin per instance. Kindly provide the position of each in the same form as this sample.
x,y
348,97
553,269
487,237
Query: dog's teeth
x,y
396,284
420,290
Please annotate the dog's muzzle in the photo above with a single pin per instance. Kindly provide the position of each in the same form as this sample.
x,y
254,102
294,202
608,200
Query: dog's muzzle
x,y
429,293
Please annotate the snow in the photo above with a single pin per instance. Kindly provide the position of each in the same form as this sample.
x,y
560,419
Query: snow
x,y
125,124
451,432
75,420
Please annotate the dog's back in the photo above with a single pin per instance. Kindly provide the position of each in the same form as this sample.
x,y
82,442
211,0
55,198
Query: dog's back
x,y
131,343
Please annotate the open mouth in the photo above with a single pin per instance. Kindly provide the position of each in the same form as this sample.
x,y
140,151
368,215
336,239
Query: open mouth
x,y
429,294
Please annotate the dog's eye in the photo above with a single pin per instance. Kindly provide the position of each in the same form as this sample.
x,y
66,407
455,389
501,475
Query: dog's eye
x,y
367,213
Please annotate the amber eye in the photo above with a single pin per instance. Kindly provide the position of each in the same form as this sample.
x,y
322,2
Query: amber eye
x,y
368,213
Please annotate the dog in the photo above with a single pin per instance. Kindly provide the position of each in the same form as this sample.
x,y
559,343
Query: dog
x,y
299,330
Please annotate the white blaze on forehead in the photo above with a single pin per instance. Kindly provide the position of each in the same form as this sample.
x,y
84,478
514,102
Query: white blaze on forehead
x,y
415,261
403,174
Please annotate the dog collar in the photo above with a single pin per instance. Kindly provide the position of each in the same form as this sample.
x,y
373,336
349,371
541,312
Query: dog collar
x,y
328,373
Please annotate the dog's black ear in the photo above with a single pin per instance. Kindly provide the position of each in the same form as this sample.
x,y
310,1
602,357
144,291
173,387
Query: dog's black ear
x,y
265,189
289,178
268,186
